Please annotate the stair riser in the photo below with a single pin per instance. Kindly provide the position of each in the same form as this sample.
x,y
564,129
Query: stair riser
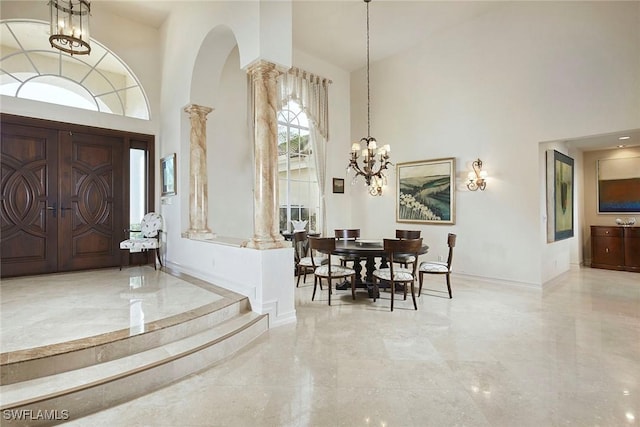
x,y
11,373
98,396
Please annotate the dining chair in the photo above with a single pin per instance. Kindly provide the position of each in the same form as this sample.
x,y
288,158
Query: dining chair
x,y
396,274
149,238
303,262
326,245
404,260
436,267
347,234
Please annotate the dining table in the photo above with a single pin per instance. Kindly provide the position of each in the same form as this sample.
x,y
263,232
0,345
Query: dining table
x,y
368,250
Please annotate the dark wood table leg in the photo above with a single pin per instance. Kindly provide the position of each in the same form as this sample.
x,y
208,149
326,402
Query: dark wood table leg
x,y
359,283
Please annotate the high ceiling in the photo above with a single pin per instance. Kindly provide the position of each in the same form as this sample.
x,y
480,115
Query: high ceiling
x,y
335,32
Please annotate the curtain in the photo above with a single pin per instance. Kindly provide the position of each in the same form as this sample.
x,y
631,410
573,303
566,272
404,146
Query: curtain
x,y
311,93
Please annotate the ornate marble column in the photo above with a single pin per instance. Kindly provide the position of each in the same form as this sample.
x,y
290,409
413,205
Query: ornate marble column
x,y
198,192
266,233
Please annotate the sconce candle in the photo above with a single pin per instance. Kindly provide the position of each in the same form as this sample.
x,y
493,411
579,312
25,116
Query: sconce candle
x,y
477,177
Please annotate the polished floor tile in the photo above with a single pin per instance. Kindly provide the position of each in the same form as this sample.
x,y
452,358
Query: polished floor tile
x,y
44,310
497,354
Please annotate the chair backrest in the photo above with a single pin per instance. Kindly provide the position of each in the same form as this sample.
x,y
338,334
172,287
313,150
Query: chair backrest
x,y
347,233
407,234
300,245
451,242
151,224
395,247
324,245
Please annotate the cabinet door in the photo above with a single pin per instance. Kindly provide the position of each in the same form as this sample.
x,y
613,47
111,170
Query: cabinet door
x,y
632,248
607,249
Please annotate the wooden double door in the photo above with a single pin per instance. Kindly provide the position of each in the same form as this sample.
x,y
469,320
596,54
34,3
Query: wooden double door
x,y
63,199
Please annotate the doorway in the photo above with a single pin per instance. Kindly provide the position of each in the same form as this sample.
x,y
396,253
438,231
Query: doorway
x,y
65,196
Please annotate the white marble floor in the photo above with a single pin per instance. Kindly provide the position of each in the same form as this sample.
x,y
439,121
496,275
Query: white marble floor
x,y
495,355
39,311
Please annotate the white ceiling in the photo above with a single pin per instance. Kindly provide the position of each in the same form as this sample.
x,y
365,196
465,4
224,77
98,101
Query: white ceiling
x,y
335,32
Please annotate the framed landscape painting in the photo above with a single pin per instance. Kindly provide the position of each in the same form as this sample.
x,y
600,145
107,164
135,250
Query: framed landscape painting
x,y
619,185
425,191
560,196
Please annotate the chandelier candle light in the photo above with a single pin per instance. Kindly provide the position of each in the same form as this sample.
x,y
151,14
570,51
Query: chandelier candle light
x,y
374,160
70,26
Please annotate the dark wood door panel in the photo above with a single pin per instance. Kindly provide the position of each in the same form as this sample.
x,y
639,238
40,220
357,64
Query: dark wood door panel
x,y
91,181
65,194
29,193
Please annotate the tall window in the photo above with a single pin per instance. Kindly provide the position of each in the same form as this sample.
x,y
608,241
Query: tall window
x,y
298,182
141,171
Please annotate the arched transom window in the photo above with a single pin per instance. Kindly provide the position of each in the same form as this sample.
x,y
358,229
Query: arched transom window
x,y
30,68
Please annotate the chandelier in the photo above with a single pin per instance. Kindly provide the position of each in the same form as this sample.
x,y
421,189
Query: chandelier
x,y
374,160
70,26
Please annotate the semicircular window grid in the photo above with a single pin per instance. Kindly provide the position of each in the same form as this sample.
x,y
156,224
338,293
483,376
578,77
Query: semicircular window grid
x,y
31,69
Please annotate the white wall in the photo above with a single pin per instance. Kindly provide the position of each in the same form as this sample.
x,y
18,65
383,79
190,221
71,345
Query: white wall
x,y
230,155
495,87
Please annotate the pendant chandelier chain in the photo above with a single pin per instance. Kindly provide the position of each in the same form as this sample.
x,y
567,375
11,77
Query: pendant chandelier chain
x,y
368,83
375,160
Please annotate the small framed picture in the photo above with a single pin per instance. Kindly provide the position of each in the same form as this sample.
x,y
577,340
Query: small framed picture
x,y
338,185
168,175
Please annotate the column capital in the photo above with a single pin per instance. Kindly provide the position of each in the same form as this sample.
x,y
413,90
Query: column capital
x,y
264,69
199,110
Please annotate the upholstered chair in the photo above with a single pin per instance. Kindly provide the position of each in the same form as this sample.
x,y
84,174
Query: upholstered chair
x,y
435,267
149,238
395,273
328,271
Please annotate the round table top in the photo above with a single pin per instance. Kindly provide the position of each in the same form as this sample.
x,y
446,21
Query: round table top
x,y
366,247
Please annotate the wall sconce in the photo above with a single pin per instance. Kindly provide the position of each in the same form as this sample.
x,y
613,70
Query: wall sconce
x,y
375,188
477,177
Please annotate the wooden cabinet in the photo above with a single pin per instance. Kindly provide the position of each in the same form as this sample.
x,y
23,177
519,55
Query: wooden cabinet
x,y
615,248
632,248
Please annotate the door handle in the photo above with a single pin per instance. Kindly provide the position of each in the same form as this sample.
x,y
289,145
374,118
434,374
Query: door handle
x,y
62,209
53,208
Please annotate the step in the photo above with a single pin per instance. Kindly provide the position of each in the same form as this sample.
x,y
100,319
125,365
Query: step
x,y
24,365
88,389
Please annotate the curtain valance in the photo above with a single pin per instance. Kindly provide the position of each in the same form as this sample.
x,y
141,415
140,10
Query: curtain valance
x,y
311,92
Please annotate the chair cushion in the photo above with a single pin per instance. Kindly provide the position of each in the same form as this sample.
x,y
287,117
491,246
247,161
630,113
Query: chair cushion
x,y
399,274
138,244
306,261
404,258
336,271
434,267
